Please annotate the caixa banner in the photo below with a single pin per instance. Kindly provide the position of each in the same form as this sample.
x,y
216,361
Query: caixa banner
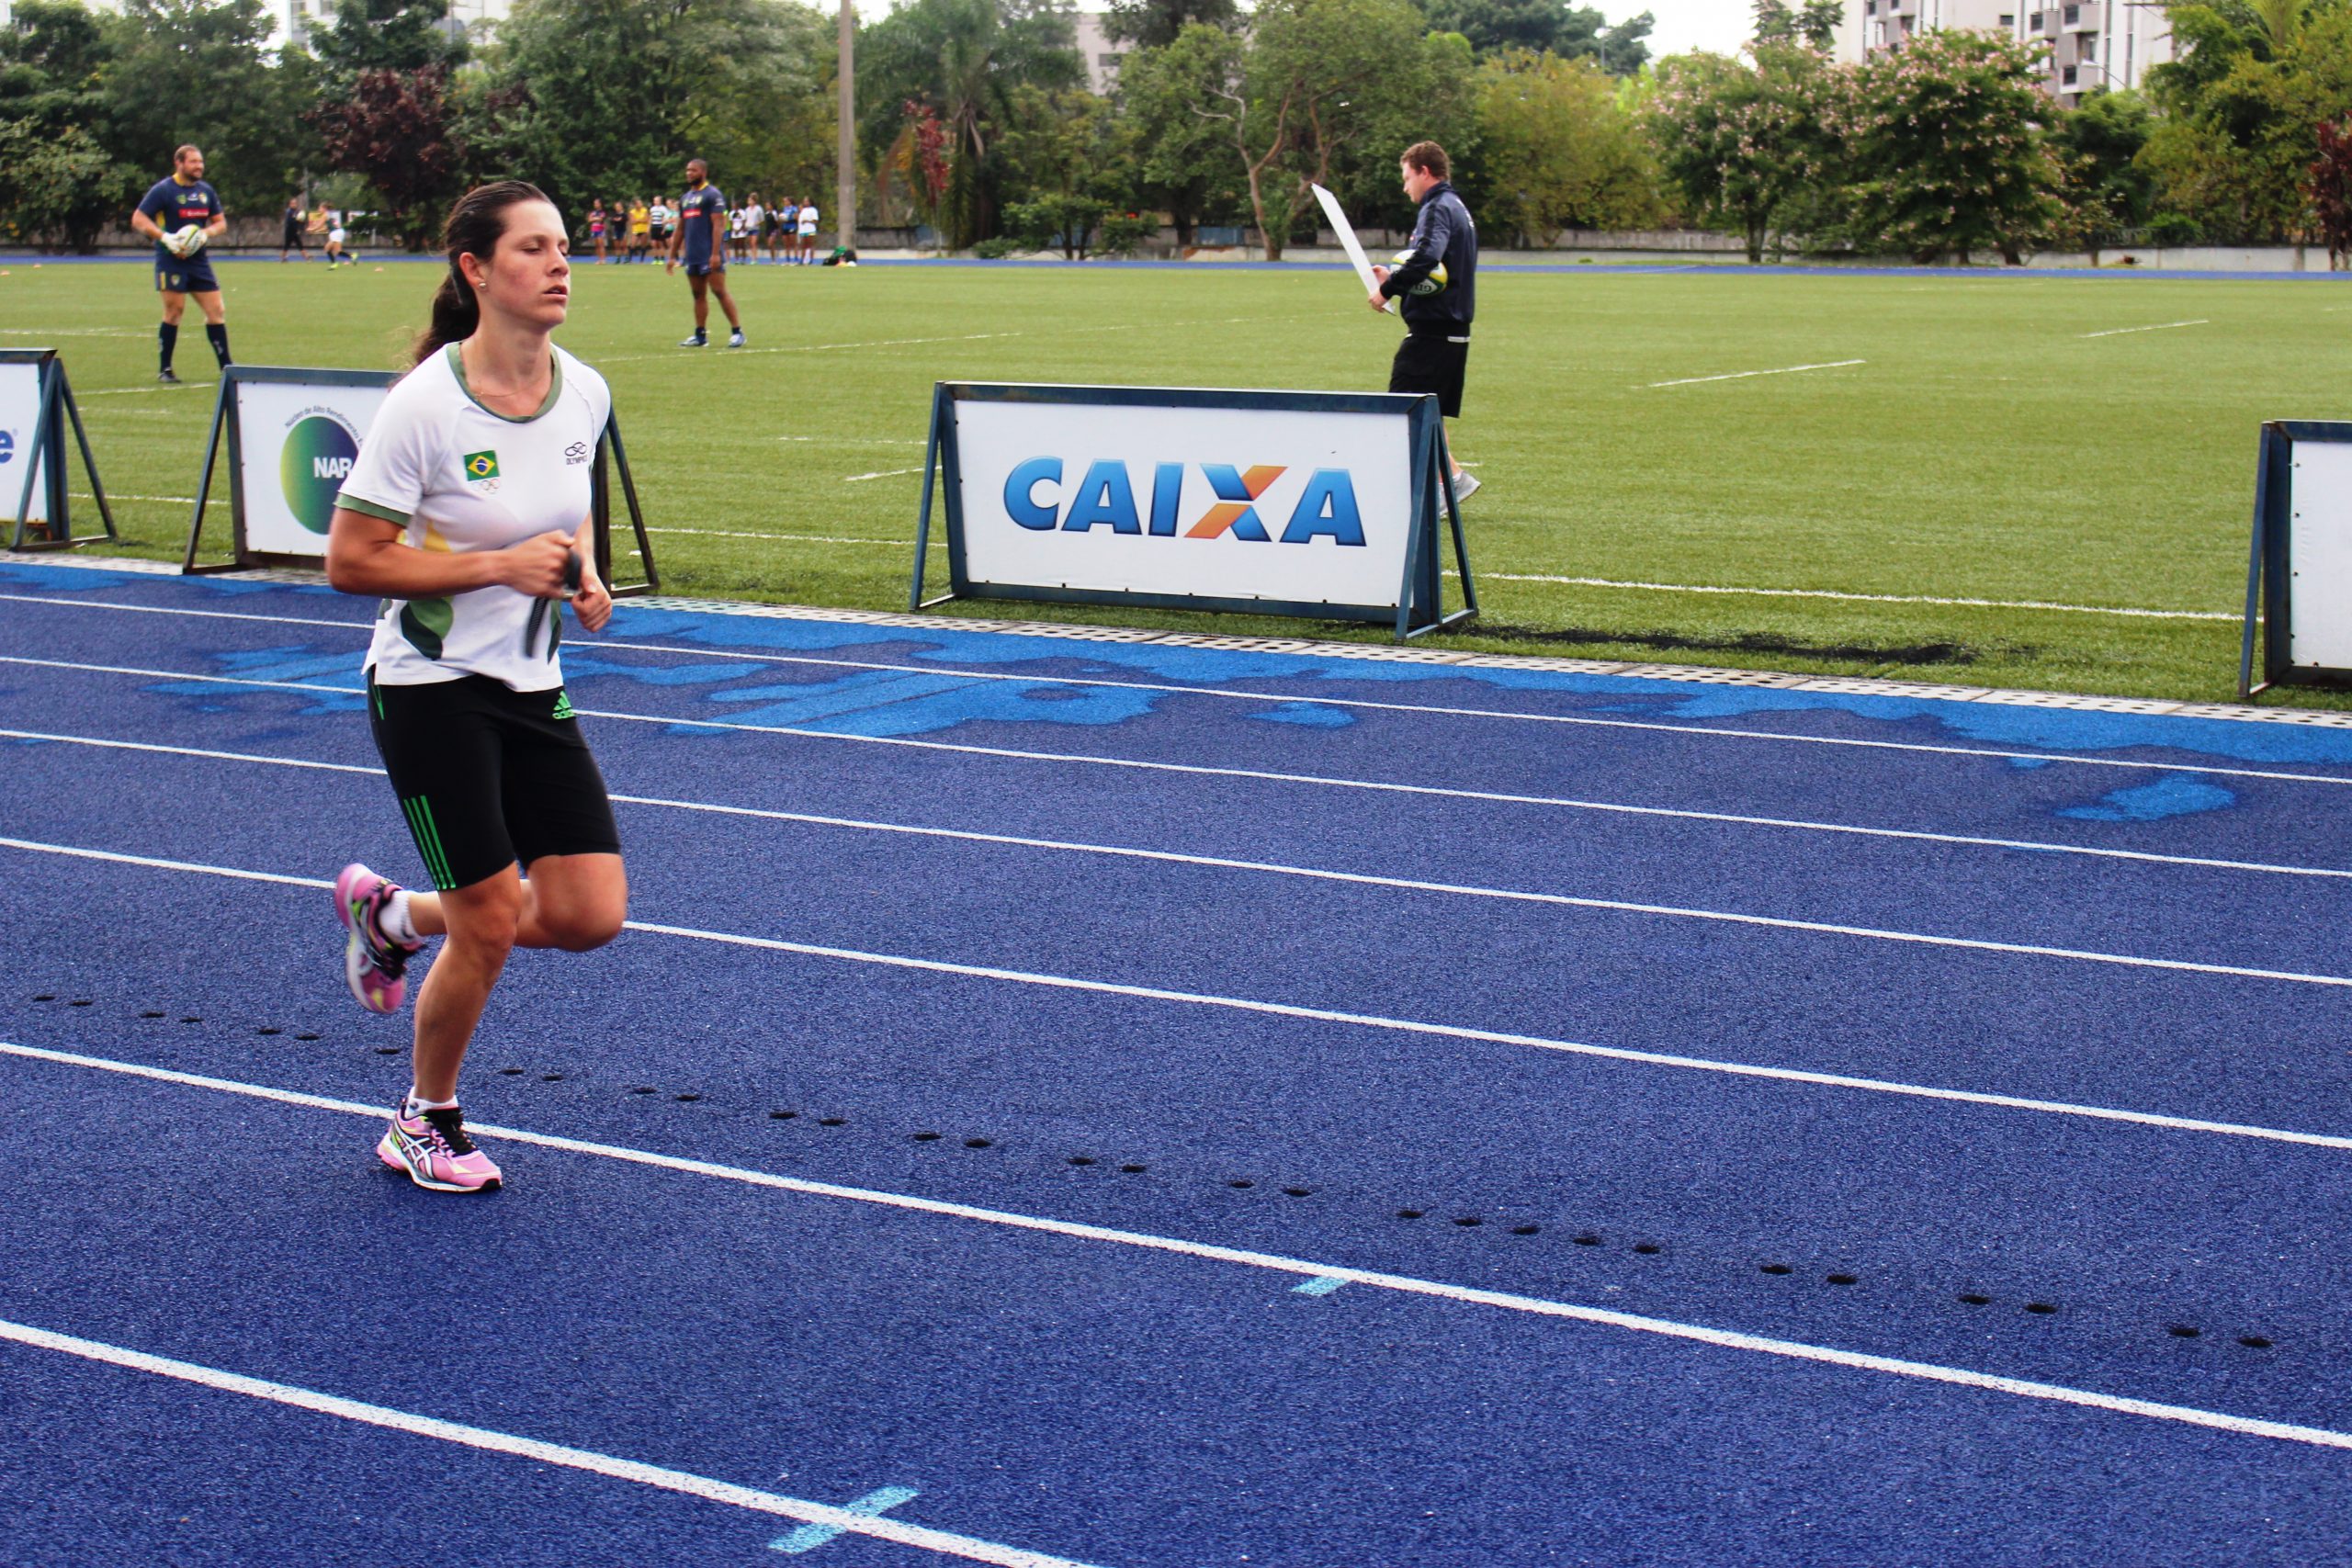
x,y
1295,504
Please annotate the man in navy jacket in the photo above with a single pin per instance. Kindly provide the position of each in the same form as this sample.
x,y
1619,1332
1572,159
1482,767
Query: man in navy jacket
x,y
1436,349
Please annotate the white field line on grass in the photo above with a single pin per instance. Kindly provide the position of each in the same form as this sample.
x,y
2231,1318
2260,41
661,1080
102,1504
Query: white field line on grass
x,y
786,539
1561,802
1317,1015
634,1471
1962,1377
1581,720
2159,327
1856,598
126,495
884,474
957,337
1743,375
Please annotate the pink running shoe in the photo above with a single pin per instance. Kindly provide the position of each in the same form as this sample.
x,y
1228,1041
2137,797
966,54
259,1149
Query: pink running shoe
x,y
433,1148
373,963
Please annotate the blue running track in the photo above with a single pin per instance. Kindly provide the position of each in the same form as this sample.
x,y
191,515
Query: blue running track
x,y
1151,1106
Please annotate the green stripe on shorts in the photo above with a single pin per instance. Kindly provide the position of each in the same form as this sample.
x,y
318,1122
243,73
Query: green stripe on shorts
x,y
428,841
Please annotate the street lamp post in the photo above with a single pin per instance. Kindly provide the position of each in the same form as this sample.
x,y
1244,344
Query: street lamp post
x,y
845,173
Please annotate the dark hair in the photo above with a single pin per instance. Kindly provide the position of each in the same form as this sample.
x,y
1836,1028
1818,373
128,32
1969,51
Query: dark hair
x,y
472,229
182,151
1427,157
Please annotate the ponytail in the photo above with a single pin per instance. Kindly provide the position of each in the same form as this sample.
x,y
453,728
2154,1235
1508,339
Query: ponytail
x,y
472,229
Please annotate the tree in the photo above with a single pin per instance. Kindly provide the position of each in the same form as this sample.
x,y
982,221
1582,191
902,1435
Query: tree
x,y
2103,190
194,71
59,186
2242,107
1184,157
53,57
1324,95
1946,133
1745,143
387,35
1570,31
1574,159
962,60
393,128
590,98
1154,24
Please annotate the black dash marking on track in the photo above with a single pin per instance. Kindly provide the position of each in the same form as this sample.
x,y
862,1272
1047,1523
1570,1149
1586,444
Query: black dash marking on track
x,y
1242,1184
79,1002
1648,1248
551,1077
1975,1299
510,1072
978,1143
300,1035
1298,1192
1467,1220
1132,1169
688,1099
928,1137
150,1012
645,1089
2043,1308
832,1121
190,1018
1081,1159
1410,1213
2253,1342
1778,1269
781,1116
266,1030
2185,1331
1525,1230
381,1050
51,995
1585,1238
1844,1279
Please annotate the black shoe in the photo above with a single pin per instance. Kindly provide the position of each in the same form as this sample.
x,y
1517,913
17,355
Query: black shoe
x,y
167,378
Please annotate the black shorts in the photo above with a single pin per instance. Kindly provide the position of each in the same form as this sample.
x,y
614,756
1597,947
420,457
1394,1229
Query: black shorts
x,y
488,776
190,275
1429,363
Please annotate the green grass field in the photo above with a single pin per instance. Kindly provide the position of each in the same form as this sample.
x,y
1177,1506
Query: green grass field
x,y
1989,447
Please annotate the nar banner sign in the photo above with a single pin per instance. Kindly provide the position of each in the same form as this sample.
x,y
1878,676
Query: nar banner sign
x,y
295,443
1275,502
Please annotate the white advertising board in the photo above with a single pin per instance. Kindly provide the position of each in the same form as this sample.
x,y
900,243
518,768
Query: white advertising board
x,y
295,445
20,400
1296,506
2319,510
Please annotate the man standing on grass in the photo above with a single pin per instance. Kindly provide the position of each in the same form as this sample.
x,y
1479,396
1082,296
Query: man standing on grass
x,y
1436,349
181,213
702,240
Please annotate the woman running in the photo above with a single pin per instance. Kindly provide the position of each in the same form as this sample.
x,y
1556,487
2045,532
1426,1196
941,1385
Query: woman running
x,y
467,512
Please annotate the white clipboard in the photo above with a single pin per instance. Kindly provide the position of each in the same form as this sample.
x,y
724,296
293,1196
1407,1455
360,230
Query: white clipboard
x,y
1348,242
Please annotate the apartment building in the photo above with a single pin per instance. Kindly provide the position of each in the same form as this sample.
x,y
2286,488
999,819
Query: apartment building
x,y
1886,24
2096,43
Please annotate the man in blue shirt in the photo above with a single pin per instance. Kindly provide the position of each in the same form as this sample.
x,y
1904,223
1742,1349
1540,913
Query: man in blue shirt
x,y
180,214
701,237
1436,350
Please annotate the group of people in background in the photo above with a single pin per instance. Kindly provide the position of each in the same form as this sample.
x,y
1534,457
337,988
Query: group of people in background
x,y
638,230
322,225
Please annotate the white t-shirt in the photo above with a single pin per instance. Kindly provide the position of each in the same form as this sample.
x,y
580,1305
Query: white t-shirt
x,y
753,215
809,219
659,213
459,477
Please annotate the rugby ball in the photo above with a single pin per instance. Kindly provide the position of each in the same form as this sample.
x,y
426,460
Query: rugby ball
x,y
186,241
1430,285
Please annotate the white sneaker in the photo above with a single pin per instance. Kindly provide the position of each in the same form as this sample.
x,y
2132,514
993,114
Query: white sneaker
x,y
1465,485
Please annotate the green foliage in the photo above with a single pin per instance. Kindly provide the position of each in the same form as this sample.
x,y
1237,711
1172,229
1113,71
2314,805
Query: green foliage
x,y
1154,24
1745,144
591,98
962,61
1577,160
1123,234
53,57
1066,223
1947,148
2243,107
1539,27
2103,189
2330,190
193,71
385,35
1184,158
59,186
394,128
998,248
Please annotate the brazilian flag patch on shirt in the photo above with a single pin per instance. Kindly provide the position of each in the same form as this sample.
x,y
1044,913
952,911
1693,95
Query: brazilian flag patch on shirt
x,y
482,465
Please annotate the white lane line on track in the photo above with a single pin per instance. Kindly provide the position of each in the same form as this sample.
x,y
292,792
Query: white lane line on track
x,y
686,1482
1403,1283
1223,863
1579,720
1264,775
1855,598
1743,375
1317,1015
2159,327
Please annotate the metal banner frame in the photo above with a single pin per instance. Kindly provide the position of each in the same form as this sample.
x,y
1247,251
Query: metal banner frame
x,y
225,419
1419,607
2270,573
45,456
